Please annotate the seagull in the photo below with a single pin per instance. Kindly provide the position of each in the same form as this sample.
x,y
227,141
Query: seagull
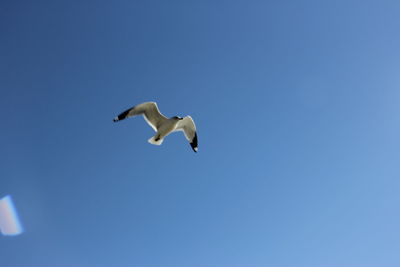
x,y
162,125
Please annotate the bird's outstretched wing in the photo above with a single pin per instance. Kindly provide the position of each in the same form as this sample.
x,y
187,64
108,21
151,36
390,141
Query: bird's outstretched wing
x,y
189,128
150,112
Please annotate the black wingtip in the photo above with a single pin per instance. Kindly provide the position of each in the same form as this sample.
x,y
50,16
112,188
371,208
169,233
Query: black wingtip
x,y
122,116
193,144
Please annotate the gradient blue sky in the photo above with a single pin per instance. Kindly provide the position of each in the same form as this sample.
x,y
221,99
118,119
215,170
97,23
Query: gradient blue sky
x,y
297,109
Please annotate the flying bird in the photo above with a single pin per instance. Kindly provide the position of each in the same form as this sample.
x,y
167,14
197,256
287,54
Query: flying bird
x,y
161,124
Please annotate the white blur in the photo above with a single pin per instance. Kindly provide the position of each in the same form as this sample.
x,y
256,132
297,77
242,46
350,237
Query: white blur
x,y
9,221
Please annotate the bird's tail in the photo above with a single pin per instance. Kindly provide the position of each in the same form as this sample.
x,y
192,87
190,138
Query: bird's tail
x,y
154,142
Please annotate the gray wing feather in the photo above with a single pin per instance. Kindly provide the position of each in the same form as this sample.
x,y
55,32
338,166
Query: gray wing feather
x,y
189,129
150,112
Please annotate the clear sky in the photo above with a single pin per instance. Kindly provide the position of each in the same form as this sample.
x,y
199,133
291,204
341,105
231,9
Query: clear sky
x,y
297,109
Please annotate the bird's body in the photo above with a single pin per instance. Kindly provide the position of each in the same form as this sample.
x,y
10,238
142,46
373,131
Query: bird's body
x,y
161,124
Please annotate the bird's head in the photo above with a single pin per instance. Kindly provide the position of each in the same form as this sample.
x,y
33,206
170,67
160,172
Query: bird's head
x,y
177,118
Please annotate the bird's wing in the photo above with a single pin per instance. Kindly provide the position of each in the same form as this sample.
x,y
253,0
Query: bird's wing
x,y
189,128
150,112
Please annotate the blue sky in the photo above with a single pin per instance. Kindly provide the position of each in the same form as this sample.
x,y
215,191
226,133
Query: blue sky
x,y
297,109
